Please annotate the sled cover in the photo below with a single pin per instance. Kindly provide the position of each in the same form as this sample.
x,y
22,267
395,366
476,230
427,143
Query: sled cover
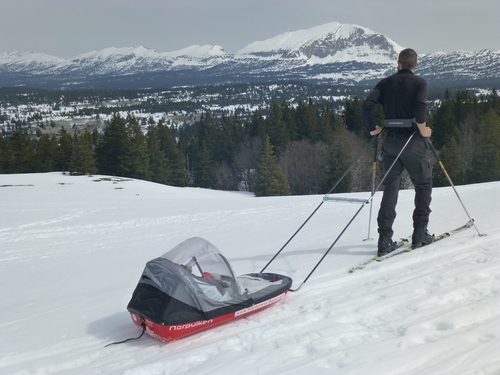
x,y
194,281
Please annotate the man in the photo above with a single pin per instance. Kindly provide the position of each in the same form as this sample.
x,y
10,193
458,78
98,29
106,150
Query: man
x,y
403,96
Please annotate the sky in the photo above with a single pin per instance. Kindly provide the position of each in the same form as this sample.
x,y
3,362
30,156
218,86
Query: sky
x,y
73,249
67,28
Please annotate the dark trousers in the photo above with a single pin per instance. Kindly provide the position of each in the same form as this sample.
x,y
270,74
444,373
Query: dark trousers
x,y
416,160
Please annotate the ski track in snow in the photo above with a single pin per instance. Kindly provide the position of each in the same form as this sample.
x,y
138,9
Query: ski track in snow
x,y
72,252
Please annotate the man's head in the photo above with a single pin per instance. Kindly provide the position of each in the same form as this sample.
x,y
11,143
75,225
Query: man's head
x,y
407,59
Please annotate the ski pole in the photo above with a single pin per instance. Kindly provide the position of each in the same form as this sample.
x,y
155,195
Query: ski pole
x,y
451,183
375,149
317,208
356,214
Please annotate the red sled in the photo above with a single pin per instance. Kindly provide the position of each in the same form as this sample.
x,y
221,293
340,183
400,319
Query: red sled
x,y
192,288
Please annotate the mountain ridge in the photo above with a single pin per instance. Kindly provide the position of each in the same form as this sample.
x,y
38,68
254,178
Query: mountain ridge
x,y
338,53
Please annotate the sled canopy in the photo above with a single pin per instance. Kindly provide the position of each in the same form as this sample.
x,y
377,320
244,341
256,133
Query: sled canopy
x,y
195,282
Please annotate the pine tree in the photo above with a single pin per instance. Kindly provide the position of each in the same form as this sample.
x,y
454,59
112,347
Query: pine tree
x,y
327,121
204,171
486,157
136,154
257,125
270,180
4,156
307,122
352,116
83,159
338,162
21,155
176,159
160,165
47,153
111,148
64,150
445,121
451,159
288,116
276,128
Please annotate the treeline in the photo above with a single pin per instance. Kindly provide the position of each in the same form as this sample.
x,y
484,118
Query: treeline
x,y
466,130
292,150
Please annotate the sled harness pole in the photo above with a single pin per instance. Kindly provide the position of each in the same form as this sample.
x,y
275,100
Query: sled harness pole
x,y
375,149
429,143
143,325
355,215
317,208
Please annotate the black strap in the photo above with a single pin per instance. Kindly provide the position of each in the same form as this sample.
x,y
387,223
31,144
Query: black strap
x,y
143,325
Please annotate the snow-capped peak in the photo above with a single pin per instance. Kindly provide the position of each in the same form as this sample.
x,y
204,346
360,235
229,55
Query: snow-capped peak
x,y
111,52
340,41
204,51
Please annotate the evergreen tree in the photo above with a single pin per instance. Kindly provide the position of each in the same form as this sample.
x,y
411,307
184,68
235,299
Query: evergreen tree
x,y
4,157
160,165
326,122
276,127
288,116
307,122
83,159
21,155
494,101
338,162
352,116
136,154
65,150
270,180
204,171
451,159
47,153
112,147
486,157
229,140
176,159
257,126
445,121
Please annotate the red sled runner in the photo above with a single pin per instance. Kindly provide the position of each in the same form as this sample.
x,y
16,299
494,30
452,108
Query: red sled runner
x,y
192,288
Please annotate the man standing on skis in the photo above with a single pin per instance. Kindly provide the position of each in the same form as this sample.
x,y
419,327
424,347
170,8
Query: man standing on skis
x,y
403,97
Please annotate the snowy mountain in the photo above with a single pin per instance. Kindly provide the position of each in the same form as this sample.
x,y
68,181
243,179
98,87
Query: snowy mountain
x,y
339,53
74,247
332,42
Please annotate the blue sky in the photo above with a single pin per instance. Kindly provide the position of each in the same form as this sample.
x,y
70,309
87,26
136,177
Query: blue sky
x,y
66,28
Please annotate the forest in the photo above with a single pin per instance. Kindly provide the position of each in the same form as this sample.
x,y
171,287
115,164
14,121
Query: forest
x,y
292,149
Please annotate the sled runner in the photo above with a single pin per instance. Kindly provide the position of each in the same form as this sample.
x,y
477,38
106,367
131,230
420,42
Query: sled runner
x,y
192,288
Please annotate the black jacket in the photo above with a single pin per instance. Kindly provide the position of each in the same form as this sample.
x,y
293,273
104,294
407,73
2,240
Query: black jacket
x,y
402,95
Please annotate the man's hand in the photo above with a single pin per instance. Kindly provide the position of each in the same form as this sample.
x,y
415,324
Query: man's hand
x,y
424,130
377,130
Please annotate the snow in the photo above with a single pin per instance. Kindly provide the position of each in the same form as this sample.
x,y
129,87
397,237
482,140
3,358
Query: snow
x,y
204,51
296,39
73,249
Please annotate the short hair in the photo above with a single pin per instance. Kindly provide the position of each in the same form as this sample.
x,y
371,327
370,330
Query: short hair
x,y
408,59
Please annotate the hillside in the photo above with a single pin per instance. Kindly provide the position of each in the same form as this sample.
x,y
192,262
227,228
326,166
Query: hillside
x,y
73,249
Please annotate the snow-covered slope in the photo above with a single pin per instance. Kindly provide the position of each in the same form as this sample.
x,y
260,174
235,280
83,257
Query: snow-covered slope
x,y
340,53
73,248
30,62
332,42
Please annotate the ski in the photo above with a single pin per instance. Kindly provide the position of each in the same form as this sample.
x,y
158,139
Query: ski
x,y
399,250
399,245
